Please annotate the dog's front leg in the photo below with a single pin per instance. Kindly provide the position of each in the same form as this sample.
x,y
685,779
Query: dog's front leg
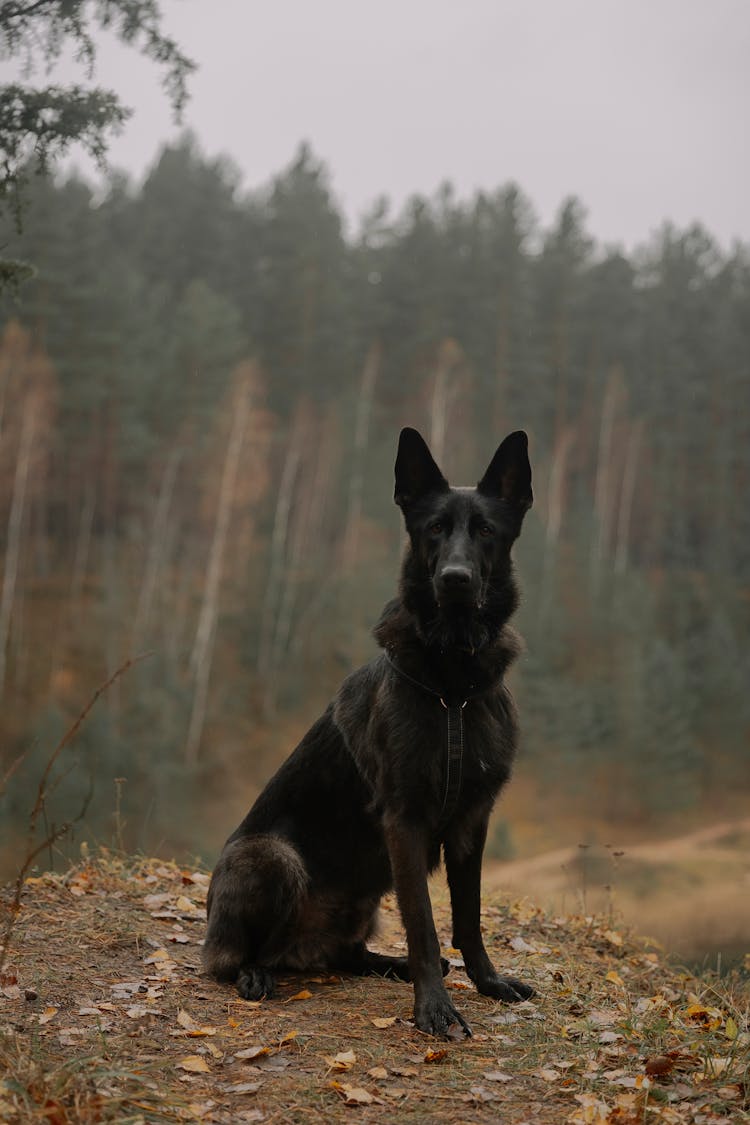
x,y
463,864
407,848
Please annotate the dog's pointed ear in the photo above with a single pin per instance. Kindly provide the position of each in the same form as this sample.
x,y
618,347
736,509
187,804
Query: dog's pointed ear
x,y
509,474
416,471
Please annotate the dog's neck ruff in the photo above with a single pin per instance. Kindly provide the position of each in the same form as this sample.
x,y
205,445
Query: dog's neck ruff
x,y
454,715
432,691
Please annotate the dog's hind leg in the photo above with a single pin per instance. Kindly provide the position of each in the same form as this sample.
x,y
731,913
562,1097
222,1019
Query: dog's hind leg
x,y
364,962
254,903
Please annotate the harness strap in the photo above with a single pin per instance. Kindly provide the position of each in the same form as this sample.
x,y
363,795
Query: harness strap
x,y
455,760
455,750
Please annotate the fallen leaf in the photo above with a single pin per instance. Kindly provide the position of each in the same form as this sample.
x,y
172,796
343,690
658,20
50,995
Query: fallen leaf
x,y
708,1018
482,1094
615,978
547,1074
378,1072
344,1060
187,905
520,945
603,1017
713,1067
352,1095
251,1053
241,1087
404,1071
383,1021
153,902
497,1076
48,1014
659,1065
305,994
194,1064
592,1111
137,1012
435,1056
190,1029
155,958
730,1029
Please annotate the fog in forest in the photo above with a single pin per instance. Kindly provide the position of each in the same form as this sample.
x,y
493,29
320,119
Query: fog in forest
x,y
201,392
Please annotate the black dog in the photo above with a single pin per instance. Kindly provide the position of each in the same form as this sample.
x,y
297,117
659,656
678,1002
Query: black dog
x,y
409,756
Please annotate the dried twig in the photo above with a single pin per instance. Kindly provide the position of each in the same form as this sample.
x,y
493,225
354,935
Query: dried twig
x,y
44,788
5,779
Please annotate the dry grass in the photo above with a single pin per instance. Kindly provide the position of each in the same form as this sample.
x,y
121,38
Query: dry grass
x,y
106,1017
691,892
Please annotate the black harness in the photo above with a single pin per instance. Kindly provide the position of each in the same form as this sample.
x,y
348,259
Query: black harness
x,y
454,714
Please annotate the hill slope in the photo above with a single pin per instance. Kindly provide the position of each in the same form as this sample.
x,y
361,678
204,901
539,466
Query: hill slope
x,y
691,892
106,1017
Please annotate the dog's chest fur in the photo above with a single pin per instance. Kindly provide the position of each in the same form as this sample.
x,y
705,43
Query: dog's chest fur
x,y
396,730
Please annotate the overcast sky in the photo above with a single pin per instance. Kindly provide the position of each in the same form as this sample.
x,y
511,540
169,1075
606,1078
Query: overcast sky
x,y
639,107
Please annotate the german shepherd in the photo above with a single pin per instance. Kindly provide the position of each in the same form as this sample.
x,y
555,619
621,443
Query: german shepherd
x,y
408,758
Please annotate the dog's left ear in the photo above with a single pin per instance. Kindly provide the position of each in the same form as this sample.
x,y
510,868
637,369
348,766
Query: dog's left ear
x,y
509,474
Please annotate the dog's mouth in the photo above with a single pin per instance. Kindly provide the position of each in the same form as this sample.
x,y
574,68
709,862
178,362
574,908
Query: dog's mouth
x,y
459,600
458,623
459,605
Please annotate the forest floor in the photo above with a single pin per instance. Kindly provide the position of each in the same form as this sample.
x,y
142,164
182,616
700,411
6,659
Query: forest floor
x,y
105,1016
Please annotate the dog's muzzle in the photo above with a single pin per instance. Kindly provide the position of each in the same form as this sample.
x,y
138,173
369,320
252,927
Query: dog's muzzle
x,y
455,584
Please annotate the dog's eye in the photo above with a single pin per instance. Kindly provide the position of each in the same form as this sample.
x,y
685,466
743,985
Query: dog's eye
x,y
485,531
436,527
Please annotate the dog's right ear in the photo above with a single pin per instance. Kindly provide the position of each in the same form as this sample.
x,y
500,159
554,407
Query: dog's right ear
x,y
416,471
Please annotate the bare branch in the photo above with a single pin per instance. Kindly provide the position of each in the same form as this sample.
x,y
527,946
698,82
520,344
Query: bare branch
x,y
52,836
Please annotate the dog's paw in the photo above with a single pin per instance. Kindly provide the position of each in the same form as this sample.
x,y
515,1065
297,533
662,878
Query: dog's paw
x,y
509,989
254,983
437,1016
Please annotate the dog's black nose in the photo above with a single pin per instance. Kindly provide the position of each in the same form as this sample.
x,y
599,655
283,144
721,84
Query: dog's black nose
x,y
454,577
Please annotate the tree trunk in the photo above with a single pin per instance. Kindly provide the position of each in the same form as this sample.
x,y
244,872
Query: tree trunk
x,y
202,654
361,434
602,499
156,551
15,527
626,499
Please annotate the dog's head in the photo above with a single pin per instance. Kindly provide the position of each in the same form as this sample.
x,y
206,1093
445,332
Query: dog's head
x,y
458,571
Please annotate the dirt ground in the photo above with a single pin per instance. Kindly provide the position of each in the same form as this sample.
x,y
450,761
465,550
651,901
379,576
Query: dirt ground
x,y
105,1016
